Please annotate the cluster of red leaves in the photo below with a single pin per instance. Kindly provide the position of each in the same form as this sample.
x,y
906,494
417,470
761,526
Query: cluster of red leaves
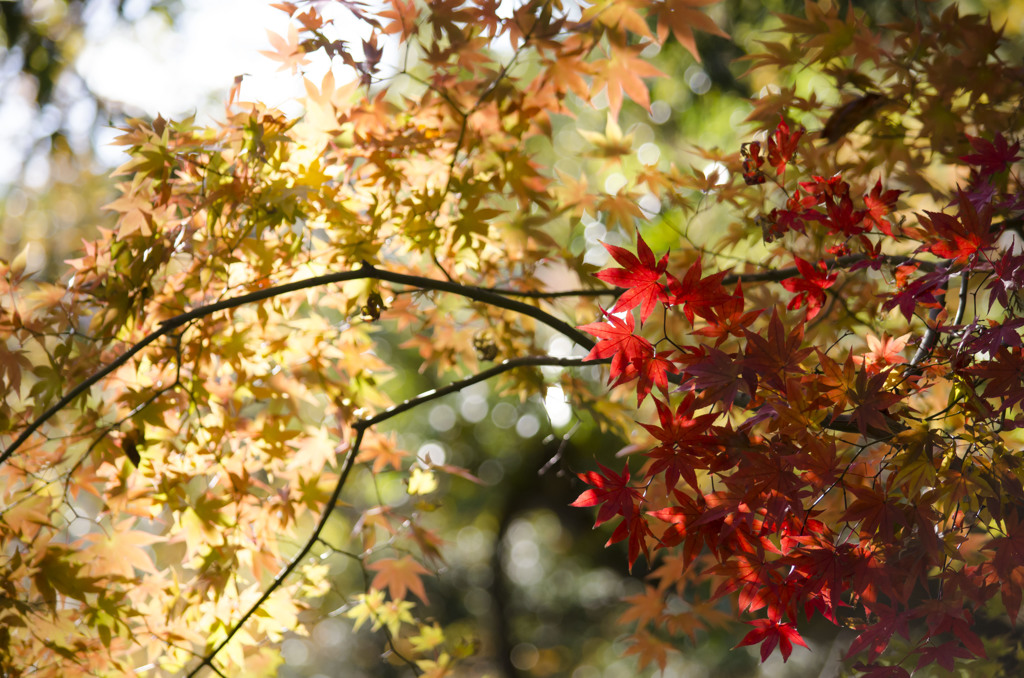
x,y
782,145
795,517
647,283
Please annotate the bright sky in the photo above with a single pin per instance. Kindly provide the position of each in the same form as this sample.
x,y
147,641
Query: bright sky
x,y
154,69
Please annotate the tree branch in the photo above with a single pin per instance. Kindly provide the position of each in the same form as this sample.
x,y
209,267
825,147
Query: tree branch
x,y
777,275
504,366
346,469
360,428
366,272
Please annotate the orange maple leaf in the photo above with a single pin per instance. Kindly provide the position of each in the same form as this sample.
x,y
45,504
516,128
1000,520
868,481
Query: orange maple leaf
x,y
624,71
399,575
680,16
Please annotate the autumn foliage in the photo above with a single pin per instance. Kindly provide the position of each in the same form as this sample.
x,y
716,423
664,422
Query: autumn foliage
x,y
812,343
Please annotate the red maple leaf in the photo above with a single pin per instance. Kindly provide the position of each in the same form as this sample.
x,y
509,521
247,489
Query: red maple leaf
x,y
875,638
696,294
810,287
636,528
1007,278
879,204
944,654
1008,562
960,236
879,514
682,528
682,437
926,291
770,633
782,145
611,491
991,158
1003,372
752,161
728,318
718,375
618,343
640,276
651,370
776,353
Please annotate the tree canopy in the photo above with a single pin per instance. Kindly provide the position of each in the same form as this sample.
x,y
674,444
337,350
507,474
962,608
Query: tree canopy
x,y
771,338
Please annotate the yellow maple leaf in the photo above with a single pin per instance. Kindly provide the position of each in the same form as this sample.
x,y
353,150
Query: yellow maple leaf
x,y
422,481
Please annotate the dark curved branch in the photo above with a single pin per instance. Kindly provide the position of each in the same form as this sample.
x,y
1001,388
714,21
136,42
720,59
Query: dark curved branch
x,y
360,428
931,335
346,469
777,275
366,272
504,366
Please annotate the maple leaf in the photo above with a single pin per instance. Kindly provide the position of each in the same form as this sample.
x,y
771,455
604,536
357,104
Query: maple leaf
x,y
695,294
1008,562
771,356
1003,372
611,146
635,527
878,205
752,161
623,72
644,608
612,492
566,74
717,375
683,528
871,400
770,633
960,236
399,575
826,570
728,318
943,654
991,158
682,19
402,18
996,336
681,439
287,50
649,648
882,351
782,145
878,514
810,287
875,638
1008,277
926,290
621,14
652,370
640,276
618,343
